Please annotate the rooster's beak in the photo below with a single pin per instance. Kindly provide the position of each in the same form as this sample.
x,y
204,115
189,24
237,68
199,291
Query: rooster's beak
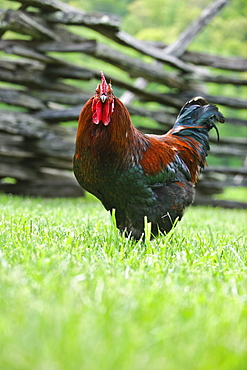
x,y
103,98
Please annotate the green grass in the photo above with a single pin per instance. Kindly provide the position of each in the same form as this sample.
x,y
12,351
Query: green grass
x,y
76,295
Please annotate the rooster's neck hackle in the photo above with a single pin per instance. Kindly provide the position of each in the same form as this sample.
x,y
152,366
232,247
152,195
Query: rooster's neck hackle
x,y
106,131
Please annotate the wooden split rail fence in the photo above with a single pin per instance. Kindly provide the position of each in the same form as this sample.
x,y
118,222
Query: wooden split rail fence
x,y
36,150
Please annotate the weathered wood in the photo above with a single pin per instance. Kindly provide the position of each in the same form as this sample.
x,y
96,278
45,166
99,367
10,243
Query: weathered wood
x,y
60,115
60,12
17,170
225,80
198,58
213,99
68,98
82,46
31,50
31,74
18,21
133,66
164,117
40,138
13,146
215,61
188,35
58,143
128,64
210,188
103,23
231,141
58,163
129,96
226,101
212,180
128,40
203,201
236,121
20,99
136,67
236,176
141,83
224,151
216,184
238,64
181,98
22,65
18,123
20,50
53,188
49,5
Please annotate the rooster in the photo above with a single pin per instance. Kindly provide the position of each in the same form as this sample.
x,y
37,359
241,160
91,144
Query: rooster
x,y
141,176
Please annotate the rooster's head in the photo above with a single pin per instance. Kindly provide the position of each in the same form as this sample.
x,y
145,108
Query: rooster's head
x,y
103,102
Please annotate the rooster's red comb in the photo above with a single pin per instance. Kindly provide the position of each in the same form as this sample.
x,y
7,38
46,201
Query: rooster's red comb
x,y
103,103
103,85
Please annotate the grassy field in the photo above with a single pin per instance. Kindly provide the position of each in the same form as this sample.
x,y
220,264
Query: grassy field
x,y
76,295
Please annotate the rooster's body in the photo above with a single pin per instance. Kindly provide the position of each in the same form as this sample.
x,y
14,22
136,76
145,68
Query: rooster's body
x,y
141,175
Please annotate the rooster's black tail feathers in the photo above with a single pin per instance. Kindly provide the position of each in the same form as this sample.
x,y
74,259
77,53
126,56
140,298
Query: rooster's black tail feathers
x,y
198,114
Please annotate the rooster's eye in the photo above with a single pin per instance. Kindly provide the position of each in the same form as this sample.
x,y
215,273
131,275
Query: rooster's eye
x,y
97,90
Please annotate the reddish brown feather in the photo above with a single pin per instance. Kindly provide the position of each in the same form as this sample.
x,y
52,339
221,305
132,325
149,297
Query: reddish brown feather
x,y
163,150
158,155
